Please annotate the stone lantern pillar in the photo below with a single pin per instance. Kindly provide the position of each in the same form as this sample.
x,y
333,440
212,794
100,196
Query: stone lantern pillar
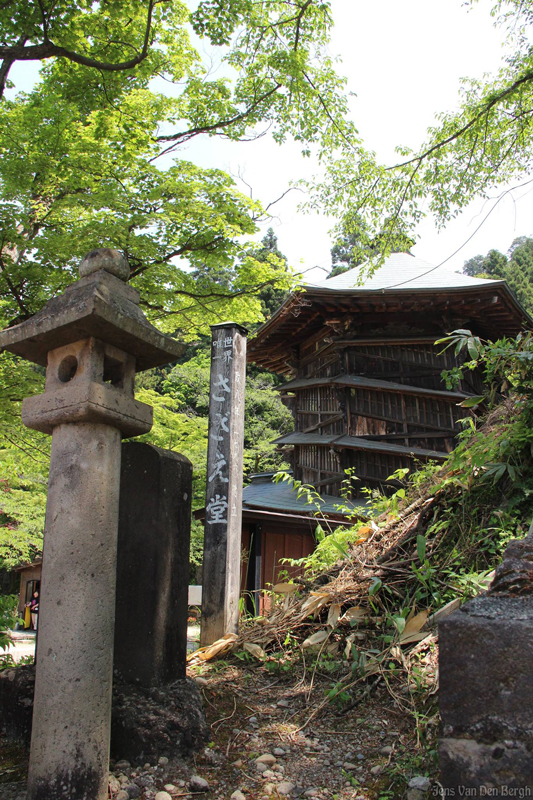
x,y
92,340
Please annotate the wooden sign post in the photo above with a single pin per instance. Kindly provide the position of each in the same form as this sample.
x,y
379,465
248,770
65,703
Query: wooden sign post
x,y
223,510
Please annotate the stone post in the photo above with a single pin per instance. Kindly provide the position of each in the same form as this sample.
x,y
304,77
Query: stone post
x,y
152,565
92,340
486,686
223,513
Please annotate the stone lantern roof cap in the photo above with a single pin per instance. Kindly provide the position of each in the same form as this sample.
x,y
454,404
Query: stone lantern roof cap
x,y
99,305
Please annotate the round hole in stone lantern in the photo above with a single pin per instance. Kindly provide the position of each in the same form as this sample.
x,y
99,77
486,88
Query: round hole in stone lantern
x,y
67,369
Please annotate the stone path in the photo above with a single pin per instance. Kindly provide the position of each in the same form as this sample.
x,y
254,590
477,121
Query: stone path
x,y
24,642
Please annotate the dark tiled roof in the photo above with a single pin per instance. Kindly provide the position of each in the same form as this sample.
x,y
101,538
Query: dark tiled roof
x,y
370,383
358,443
262,493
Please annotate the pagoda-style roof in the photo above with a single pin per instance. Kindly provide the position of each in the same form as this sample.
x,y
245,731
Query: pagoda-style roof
x,y
404,292
357,381
402,271
357,443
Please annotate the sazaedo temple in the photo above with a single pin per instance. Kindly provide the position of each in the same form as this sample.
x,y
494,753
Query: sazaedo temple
x,y
365,387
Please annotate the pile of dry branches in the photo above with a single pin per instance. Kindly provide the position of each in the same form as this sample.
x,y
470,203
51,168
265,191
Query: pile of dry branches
x,y
338,616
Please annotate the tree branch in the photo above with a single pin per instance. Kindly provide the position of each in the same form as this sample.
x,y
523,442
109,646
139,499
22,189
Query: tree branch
x,y
299,18
7,63
528,76
186,135
18,300
47,49
185,248
215,296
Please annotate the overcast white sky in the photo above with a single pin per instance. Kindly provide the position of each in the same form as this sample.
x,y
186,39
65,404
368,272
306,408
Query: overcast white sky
x,y
404,61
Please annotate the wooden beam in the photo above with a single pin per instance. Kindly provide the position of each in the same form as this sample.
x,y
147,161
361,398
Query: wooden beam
x,y
338,476
324,423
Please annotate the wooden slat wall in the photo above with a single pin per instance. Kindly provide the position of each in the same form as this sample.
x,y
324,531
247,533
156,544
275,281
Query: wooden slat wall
x,y
410,420
371,468
417,365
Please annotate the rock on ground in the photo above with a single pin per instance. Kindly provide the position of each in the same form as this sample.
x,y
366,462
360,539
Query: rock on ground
x,y
285,787
149,723
266,758
146,723
198,784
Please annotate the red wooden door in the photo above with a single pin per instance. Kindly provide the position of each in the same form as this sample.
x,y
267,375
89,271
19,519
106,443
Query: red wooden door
x,y
276,546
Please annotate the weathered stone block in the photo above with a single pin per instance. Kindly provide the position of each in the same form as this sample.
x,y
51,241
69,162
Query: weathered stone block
x,y
94,403
98,305
496,768
153,565
486,668
145,723
486,695
92,339
149,723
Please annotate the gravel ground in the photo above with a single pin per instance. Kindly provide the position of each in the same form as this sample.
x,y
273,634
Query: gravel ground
x,y
262,747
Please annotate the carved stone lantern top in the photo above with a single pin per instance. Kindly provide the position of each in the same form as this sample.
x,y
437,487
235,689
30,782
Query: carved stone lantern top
x,y
100,305
92,340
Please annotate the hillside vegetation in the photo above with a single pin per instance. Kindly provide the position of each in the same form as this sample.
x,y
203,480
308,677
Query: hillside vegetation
x,y
363,617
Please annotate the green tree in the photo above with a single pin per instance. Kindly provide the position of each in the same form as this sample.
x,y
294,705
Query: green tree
x,y
474,266
354,244
265,416
70,180
24,456
487,143
79,152
350,247
493,265
121,85
516,269
272,296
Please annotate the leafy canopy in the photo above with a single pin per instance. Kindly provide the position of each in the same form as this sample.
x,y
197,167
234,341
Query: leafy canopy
x,y
487,143
516,268
82,153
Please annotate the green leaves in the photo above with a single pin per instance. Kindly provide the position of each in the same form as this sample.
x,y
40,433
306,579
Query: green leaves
x,y
486,143
473,402
78,154
77,188
463,340
421,548
127,40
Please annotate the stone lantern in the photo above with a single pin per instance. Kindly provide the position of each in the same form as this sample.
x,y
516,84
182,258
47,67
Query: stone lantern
x,y
92,340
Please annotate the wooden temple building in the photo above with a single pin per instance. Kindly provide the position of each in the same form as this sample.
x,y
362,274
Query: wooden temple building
x,y
364,383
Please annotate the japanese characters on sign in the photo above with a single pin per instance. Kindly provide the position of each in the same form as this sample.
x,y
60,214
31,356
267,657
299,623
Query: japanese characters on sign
x,y
222,535
219,431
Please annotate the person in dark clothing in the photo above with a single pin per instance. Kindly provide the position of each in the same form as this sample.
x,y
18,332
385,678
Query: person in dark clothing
x,y
34,610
